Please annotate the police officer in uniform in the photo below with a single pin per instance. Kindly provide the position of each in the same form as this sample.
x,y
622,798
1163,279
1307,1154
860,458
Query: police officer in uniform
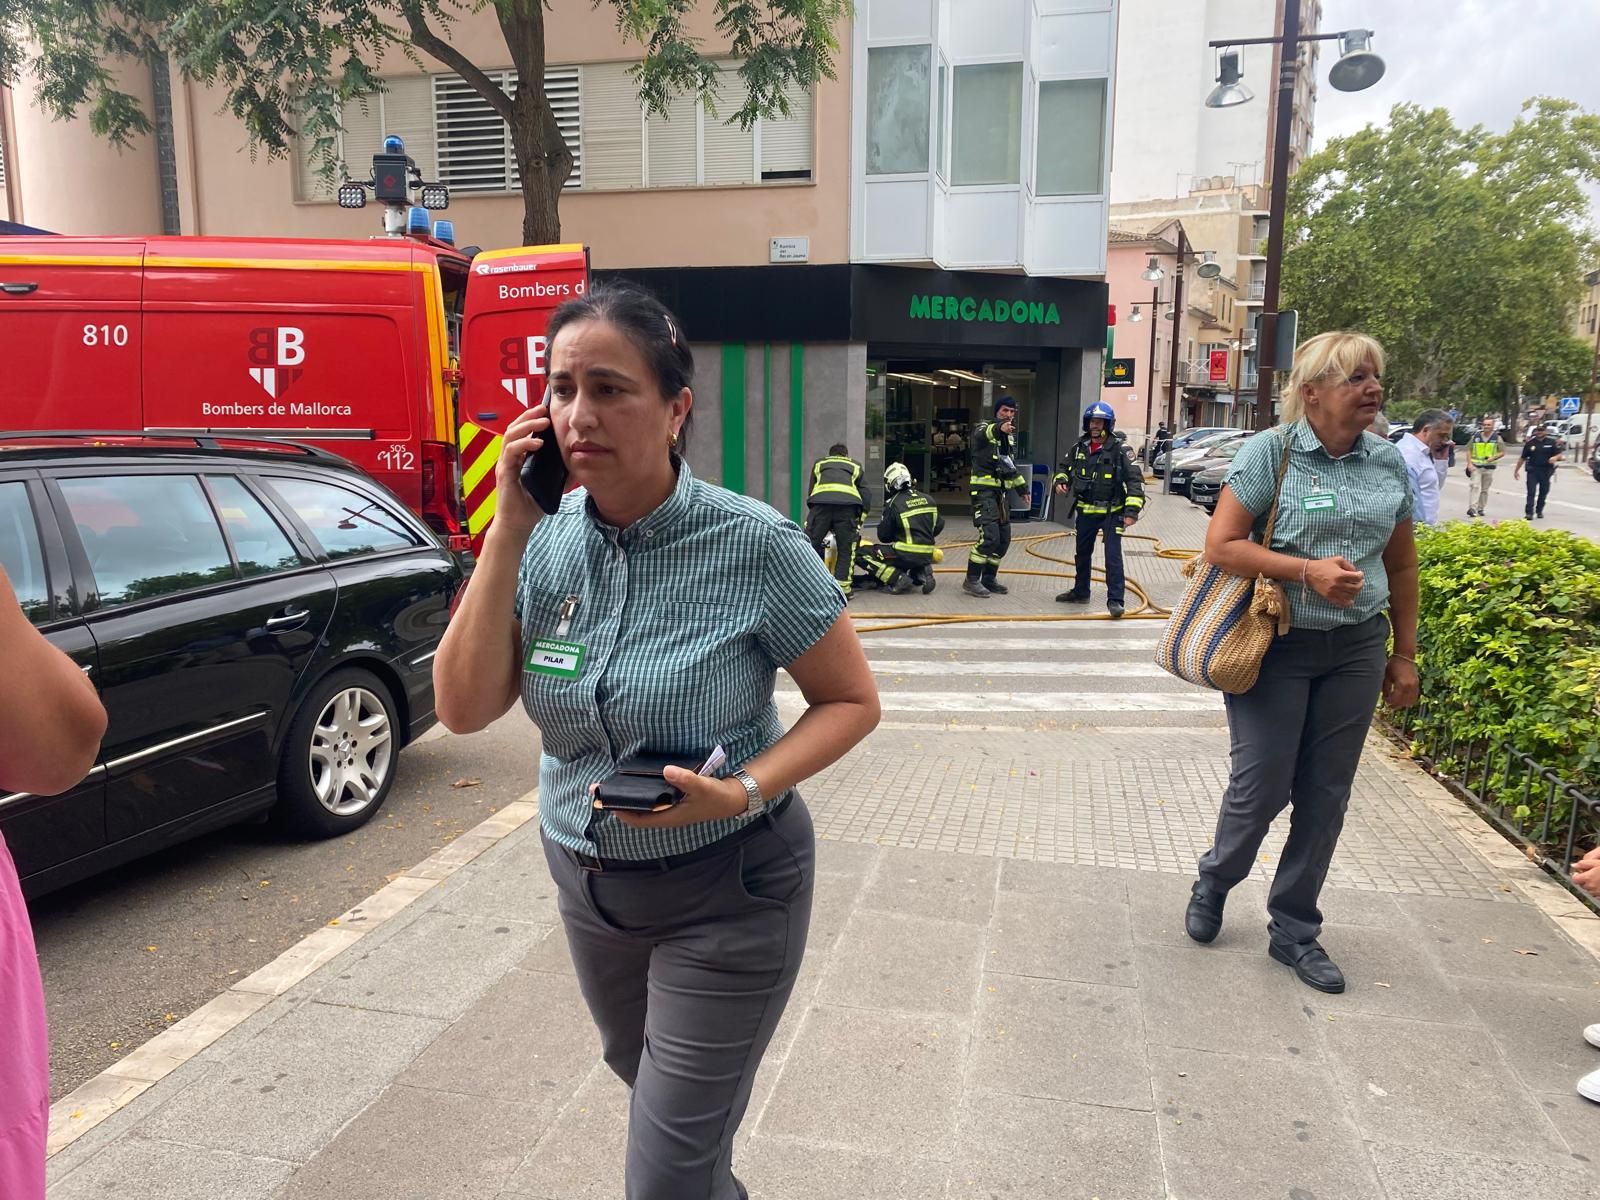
x,y
1540,454
911,524
836,507
1106,488
994,475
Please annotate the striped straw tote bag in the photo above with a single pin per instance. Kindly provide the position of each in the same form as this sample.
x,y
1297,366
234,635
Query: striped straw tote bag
x,y
1221,629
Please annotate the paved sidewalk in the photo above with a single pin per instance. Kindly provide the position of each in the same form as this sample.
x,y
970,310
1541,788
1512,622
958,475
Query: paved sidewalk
x,y
998,999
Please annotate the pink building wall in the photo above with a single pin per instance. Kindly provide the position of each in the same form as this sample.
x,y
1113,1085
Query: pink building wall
x,y
1124,265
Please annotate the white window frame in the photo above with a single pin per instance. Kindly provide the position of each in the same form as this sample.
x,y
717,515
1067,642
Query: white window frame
x,y
505,79
700,150
993,60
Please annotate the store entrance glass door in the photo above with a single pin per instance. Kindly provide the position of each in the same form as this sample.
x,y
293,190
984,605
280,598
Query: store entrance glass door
x,y
931,409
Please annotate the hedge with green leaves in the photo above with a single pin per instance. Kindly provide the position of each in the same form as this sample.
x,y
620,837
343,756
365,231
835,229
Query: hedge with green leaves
x,y
1509,633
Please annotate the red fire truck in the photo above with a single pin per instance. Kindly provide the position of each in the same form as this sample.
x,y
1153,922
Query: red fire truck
x,y
402,353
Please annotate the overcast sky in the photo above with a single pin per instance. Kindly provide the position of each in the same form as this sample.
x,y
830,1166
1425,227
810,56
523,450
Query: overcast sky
x,y
1478,58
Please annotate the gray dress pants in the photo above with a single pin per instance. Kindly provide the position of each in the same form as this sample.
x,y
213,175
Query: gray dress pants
x,y
687,971
1296,739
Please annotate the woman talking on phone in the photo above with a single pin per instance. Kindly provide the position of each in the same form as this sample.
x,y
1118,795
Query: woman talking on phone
x,y
643,617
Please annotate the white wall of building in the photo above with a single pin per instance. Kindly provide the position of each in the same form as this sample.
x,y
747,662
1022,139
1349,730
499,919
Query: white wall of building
x,y
1165,68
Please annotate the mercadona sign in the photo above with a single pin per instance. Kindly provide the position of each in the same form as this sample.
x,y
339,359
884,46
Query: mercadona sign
x,y
925,307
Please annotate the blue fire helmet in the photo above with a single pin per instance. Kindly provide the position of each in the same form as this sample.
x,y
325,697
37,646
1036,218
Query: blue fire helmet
x,y
1102,410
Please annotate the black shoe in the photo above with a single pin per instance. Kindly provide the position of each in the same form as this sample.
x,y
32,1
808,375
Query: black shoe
x,y
1312,964
1540,516
929,583
974,587
1202,920
1471,513
900,586
1072,598
1115,608
995,586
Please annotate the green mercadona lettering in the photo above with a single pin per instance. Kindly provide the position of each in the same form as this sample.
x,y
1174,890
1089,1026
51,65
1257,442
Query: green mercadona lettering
x,y
968,308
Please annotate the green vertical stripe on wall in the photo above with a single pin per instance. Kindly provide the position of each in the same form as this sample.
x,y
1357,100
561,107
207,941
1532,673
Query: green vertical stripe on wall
x,y
733,418
797,429
766,422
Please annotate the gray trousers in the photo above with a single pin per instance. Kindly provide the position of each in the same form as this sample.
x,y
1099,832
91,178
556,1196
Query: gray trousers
x,y
1296,739
686,972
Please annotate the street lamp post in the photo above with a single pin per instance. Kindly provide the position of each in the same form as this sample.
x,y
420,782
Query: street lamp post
x,y
1208,269
1358,68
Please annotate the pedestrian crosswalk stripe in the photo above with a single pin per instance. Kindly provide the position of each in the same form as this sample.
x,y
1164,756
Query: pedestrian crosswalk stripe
x,y
1096,701
1025,667
1033,645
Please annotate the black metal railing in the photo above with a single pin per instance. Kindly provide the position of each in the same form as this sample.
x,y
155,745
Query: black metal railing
x,y
1548,817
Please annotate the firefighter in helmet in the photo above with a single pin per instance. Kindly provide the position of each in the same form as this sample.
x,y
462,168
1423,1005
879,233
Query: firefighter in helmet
x,y
911,523
836,507
1106,490
994,476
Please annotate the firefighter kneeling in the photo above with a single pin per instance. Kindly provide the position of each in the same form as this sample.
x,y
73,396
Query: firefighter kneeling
x,y
910,524
1106,489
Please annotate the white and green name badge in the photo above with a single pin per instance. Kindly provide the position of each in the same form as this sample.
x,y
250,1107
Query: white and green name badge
x,y
547,656
1318,502
555,656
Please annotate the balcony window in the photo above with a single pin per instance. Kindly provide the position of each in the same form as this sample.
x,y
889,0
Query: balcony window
x,y
897,107
987,126
1071,138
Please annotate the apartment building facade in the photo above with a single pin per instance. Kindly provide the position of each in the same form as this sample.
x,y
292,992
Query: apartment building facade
x,y
913,239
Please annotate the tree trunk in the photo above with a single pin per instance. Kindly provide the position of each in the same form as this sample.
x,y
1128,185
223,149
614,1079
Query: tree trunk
x,y
544,163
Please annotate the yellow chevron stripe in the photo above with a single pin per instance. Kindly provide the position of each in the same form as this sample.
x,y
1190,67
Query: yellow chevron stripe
x,y
482,465
468,432
478,521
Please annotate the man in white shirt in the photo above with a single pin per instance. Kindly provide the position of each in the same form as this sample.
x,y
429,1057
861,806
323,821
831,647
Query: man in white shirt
x,y
1430,434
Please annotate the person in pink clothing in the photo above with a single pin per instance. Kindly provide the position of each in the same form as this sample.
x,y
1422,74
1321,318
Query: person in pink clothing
x,y
48,742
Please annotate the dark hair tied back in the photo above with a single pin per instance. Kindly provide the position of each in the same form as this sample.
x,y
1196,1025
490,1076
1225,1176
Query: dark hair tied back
x,y
644,321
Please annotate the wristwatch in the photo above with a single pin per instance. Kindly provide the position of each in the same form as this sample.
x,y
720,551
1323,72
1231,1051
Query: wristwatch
x,y
752,789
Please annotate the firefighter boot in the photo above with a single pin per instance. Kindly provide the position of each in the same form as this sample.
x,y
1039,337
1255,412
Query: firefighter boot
x,y
992,583
928,581
974,584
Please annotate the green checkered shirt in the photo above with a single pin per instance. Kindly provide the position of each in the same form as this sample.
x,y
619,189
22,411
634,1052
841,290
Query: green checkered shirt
x,y
1371,495
685,617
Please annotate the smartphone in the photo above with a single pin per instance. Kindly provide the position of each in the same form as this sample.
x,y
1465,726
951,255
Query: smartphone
x,y
544,474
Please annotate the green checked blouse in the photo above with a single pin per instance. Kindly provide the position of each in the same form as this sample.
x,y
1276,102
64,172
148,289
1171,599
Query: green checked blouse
x,y
1348,505
684,619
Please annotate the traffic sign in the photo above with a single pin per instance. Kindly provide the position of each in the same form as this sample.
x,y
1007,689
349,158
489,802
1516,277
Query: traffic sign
x,y
1570,406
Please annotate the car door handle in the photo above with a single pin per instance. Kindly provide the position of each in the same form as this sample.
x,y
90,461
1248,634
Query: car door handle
x,y
290,619
19,288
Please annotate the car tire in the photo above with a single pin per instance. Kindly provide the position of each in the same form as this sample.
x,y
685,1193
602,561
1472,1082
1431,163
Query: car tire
x,y
340,756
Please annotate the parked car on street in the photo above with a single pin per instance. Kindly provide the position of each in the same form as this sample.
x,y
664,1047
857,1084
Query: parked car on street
x,y
1219,457
1198,449
1184,440
259,617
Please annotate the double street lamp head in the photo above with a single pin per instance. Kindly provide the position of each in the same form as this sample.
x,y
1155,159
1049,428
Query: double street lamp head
x,y
1358,68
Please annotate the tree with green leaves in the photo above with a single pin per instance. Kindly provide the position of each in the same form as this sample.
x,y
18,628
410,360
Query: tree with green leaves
x,y
288,67
1461,250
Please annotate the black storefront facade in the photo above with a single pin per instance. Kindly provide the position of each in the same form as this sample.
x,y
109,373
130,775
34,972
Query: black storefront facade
x,y
898,363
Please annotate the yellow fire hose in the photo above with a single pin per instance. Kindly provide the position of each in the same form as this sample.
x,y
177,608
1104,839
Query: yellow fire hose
x,y
1146,609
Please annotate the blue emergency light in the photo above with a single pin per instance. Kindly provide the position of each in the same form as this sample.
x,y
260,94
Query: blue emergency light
x,y
445,231
417,220
393,145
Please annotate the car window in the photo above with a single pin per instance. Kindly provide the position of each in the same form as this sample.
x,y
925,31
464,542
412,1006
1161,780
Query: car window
x,y
20,553
147,535
345,522
259,543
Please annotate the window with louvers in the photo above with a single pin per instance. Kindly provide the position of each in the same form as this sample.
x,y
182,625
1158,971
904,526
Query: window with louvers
x,y
474,145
